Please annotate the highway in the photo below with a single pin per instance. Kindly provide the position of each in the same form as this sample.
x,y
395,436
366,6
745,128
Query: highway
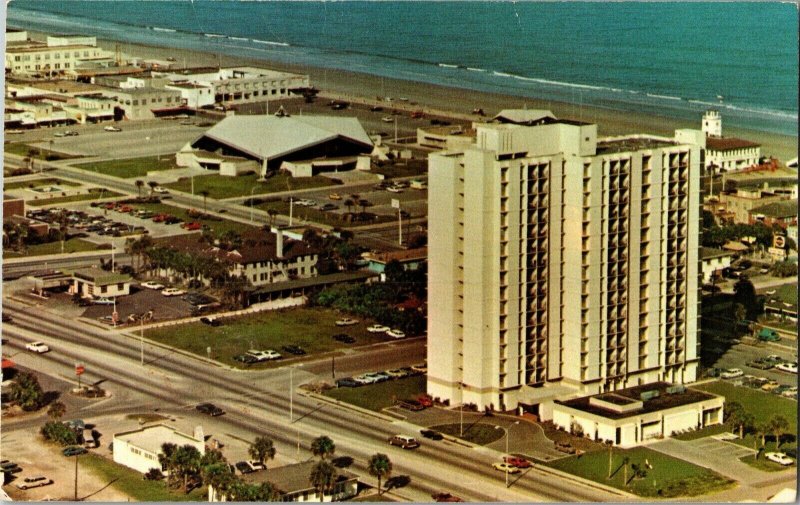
x,y
257,402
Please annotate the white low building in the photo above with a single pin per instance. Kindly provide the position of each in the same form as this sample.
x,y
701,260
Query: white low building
x,y
97,283
139,449
714,261
631,416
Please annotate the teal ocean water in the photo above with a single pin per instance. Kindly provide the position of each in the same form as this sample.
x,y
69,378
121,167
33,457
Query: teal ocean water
x,y
674,59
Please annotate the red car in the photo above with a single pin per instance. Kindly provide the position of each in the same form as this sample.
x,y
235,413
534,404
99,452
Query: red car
x,y
110,205
160,218
425,400
194,225
517,462
125,208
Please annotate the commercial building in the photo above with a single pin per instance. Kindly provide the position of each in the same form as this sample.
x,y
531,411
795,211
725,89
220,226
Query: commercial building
x,y
561,263
727,153
627,417
139,449
97,283
714,262
782,213
739,204
58,56
145,102
303,145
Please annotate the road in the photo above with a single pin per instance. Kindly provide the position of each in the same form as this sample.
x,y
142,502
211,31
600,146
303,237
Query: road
x,y
257,402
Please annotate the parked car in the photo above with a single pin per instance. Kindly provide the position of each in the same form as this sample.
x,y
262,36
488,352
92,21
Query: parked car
x,y
246,358
194,225
32,482
209,409
780,458
103,301
433,435
161,190
379,376
152,284
7,466
517,462
328,207
244,467
256,465
769,386
760,364
378,328
426,400
294,349
394,189
420,367
397,373
443,497
267,355
346,322
345,338
365,378
211,321
347,382
506,467
335,196
39,347
74,450
788,367
112,129
394,333
731,373
173,292
404,441
412,405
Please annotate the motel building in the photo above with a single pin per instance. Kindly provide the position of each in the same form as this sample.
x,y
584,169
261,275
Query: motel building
x,y
139,449
629,417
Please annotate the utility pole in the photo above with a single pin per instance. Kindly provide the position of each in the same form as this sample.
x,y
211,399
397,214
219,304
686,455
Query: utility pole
x,y
76,476
141,338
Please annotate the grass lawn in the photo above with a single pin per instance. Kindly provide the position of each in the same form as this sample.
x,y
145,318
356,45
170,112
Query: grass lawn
x,y
760,404
218,227
35,183
70,246
93,194
715,429
786,293
130,482
22,149
477,433
131,167
404,168
310,328
764,464
318,216
670,477
381,395
219,187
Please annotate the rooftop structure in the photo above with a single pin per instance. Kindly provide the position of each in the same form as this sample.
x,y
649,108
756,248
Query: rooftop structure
x,y
139,449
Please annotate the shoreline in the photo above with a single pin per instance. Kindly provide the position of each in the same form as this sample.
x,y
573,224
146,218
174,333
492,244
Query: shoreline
x,y
457,100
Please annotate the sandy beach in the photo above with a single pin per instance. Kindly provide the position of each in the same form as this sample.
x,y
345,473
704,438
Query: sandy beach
x,y
610,122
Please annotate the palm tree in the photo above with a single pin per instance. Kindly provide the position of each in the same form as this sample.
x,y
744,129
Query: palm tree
x,y
204,193
219,477
153,185
778,425
139,186
262,449
379,466
363,203
266,492
761,430
737,417
166,461
349,204
322,477
56,410
323,446
187,463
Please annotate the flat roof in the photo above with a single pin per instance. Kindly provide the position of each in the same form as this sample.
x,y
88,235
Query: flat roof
x,y
322,280
631,144
663,401
707,253
785,208
293,478
728,143
150,438
63,86
99,276
51,48
404,256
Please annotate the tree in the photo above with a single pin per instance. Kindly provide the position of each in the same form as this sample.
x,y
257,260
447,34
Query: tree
x,y
761,429
610,457
186,463
262,449
218,476
736,416
139,186
153,474
323,447
349,204
153,185
26,391
379,466
322,477
204,193
745,294
778,425
739,314
56,410
59,433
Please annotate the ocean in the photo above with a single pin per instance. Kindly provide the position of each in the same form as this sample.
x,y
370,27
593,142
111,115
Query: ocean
x,y
673,59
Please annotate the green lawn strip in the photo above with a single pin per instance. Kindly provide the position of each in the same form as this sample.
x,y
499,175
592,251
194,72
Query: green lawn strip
x,y
310,328
219,187
70,246
476,433
381,395
36,183
762,464
760,404
318,216
22,149
410,169
130,482
217,227
668,478
786,293
715,429
131,167
93,194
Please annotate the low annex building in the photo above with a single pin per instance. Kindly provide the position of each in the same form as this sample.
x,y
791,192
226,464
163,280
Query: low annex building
x,y
628,417
97,283
139,449
714,262
303,145
292,481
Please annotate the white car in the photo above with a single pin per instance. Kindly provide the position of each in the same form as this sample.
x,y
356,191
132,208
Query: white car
x,y
159,189
152,285
103,301
264,355
256,465
173,292
378,328
346,322
506,467
366,378
396,333
780,458
394,189
788,367
112,129
731,373
37,347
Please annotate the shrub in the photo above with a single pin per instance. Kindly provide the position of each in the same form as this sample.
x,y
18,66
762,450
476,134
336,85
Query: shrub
x,y
153,474
576,429
59,433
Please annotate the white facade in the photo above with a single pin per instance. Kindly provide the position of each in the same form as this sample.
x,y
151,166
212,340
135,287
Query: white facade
x,y
140,103
139,449
714,261
557,259
96,283
38,58
712,123
194,95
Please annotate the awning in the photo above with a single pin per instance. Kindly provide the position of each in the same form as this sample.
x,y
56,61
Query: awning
x,y
7,363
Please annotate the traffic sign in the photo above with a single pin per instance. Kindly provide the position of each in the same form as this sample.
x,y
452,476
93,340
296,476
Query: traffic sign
x,y
79,369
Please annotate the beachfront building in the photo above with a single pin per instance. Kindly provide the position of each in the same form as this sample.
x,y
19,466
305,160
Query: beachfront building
x,y
737,205
139,449
145,102
238,85
727,153
628,417
57,56
561,263
302,145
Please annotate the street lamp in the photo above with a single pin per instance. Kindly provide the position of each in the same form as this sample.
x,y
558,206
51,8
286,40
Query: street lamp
x,y
291,392
506,456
